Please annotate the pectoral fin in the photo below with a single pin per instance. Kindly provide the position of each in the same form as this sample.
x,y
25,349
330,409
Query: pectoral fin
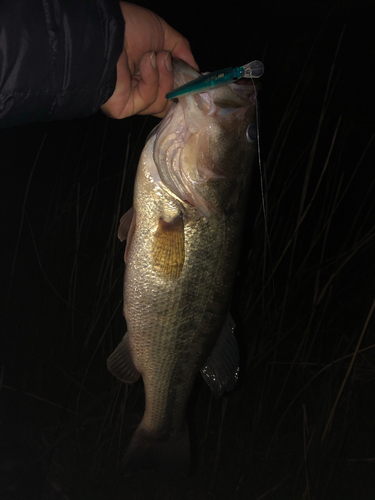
x,y
124,225
126,230
120,363
222,366
168,250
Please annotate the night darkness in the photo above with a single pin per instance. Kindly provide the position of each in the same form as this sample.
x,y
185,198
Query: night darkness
x,y
300,423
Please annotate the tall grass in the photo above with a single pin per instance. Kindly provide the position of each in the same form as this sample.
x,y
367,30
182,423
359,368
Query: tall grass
x,y
300,422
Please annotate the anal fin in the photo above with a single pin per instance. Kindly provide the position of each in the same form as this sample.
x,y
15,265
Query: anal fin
x,y
120,363
221,369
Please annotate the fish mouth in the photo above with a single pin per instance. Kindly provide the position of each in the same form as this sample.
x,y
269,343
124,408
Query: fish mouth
x,y
198,145
183,74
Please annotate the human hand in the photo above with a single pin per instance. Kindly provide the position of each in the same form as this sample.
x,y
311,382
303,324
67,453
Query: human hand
x,y
144,69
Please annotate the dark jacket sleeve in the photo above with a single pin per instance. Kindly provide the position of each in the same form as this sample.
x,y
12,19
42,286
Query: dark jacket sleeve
x,y
57,58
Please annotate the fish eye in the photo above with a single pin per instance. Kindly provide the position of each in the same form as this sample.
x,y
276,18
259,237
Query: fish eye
x,y
251,133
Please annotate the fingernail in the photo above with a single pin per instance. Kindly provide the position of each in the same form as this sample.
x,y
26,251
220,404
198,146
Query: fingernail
x,y
153,59
167,60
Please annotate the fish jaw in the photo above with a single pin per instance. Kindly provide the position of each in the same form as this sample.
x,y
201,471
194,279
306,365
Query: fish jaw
x,y
202,150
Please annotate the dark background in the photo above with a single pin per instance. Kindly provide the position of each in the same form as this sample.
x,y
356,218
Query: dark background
x,y
301,303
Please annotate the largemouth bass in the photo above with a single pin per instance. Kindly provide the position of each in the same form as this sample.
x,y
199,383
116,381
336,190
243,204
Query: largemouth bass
x,y
183,241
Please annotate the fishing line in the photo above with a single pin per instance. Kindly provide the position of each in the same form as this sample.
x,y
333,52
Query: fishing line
x,y
262,189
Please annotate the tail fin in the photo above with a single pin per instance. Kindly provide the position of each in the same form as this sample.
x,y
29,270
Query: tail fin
x,y
168,455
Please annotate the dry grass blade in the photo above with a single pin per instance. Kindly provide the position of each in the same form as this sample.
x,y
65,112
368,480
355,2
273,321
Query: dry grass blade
x,y
348,372
23,213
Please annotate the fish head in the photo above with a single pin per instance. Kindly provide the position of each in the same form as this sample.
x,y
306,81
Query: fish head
x,y
204,147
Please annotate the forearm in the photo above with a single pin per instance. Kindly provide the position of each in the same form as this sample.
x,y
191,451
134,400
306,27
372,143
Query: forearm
x,y
57,59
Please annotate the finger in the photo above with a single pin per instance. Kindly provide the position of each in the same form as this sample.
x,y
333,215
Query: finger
x,y
182,51
145,92
178,45
161,105
119,104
